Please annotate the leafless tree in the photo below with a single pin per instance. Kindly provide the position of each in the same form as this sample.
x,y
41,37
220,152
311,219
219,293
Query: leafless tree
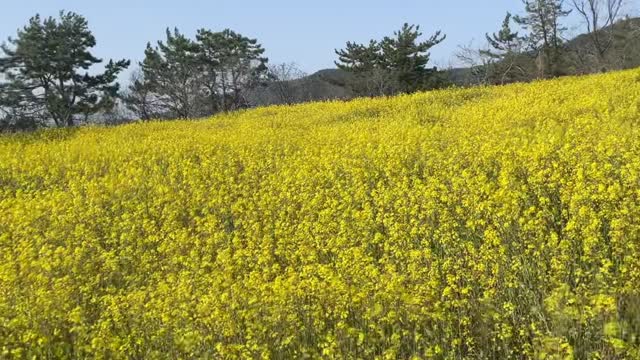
x,y
117,115
140,100
282,78
375,82
483,69
598,17
477,64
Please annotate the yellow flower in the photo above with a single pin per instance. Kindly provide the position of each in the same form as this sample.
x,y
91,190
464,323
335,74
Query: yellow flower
x,y
491,222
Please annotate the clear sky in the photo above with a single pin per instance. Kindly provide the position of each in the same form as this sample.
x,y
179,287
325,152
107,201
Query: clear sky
x,y
305,32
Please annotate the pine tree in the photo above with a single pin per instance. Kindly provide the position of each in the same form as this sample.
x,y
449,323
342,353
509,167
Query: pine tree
x,y
46,71
407,57
359,58
504,54
194,78
504,41
234,63
542,22
172,71
365,62
395,64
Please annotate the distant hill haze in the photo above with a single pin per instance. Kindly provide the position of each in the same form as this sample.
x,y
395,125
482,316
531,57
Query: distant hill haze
x,y
328,84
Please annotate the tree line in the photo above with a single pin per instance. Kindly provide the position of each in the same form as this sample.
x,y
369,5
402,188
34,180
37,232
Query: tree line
x,y
533,45
47,77
48,74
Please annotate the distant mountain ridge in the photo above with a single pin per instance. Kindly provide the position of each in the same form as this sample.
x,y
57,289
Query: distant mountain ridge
x,y
330,84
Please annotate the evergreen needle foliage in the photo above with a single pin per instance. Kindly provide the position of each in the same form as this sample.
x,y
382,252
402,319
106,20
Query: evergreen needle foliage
x,y
46,67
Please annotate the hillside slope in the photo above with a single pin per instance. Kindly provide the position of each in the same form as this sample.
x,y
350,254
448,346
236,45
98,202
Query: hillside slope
x,y
496,222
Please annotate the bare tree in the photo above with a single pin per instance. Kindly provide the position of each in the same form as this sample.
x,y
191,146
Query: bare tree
x,y
282,78
507,60
599,16
476,62
140,99
285,84
487,65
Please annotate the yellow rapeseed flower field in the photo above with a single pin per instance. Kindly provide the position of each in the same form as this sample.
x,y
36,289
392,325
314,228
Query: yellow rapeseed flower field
x,y
483,223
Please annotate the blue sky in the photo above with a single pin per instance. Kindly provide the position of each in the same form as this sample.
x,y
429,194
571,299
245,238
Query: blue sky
x,y
305,32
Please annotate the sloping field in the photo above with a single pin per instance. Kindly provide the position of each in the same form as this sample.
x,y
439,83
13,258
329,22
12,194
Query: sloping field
x,y
485,223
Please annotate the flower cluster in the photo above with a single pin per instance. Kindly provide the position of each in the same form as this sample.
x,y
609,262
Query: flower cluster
x,y
483,223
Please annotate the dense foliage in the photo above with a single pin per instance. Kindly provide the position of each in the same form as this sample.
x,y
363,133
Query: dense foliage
x,y
483,223
45,69
184,78
394,65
